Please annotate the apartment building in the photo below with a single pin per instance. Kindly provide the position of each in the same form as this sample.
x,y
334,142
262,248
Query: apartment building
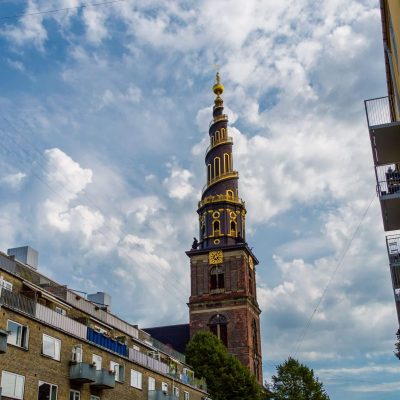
x,y
57,344
383,117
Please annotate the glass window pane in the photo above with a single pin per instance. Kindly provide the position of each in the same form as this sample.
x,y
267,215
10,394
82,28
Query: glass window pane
x,y
53,392
44,391
15,331
48,346
57,348
19,386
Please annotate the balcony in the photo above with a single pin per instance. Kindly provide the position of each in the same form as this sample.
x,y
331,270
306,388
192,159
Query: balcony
x,y
225,140
221,177
104,380
3,341
388,188
384,129
160,395
189,380
218,118
82,373
106,342
17,302
220,197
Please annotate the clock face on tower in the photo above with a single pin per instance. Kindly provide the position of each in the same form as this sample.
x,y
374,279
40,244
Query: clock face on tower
x,y
215,257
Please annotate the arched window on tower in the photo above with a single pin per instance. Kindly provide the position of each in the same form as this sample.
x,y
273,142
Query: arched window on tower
x,y
233,228
216,228
230,193
217,278
227,164
208,172
251,284
217,137
217,167
212,140
223,133
218,326
256,362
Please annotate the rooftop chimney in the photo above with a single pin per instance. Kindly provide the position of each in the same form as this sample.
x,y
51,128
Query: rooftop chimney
x,y
26,255
101,299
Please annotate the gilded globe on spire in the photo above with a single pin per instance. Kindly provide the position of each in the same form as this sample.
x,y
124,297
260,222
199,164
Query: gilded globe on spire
x,y
218,88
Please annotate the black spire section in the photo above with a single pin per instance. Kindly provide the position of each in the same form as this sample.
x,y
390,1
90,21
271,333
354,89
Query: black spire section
x,y
221,211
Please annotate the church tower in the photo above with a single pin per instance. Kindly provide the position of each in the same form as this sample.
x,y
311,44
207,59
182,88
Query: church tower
x,y
223,268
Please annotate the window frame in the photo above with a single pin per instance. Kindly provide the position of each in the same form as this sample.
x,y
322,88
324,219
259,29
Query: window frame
x,y
56,356
186,395
94,397
164,387
16,377
150,378
74,393
24,336
175,391
119,376
98,367
138,381
52,386
74,354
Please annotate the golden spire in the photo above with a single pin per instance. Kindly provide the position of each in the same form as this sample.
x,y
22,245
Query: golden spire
x,y
218,88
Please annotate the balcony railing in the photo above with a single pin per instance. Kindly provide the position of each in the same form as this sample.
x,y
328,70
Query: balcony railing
x,y
380,111
18,302
388,180
60,321
195,382
82,373
106,342
145,360
104,380
227,140
220,197
220,177
218,118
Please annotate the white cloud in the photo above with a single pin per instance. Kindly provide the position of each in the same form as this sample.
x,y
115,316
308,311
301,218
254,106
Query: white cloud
x,y
14,180
178,182
30,28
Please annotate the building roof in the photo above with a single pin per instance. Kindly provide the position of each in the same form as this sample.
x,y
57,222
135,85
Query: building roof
x,y
176,336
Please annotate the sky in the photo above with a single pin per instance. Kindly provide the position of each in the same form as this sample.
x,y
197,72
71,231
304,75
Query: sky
x,y
104,115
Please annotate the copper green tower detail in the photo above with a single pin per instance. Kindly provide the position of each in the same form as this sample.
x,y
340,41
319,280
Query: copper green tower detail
x,y
223,268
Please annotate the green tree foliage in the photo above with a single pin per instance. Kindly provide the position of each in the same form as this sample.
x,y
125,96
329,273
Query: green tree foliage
x,y
227,378
295,381
397,352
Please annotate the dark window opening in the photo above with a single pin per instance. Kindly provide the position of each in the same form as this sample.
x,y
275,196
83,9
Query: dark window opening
x,y
219,327
217,278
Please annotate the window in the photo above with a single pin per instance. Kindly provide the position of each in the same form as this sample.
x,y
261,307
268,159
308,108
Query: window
x,y
47,391
97,361
77,353
5,284
51,347
226,163
218,326
136,379
12,385
216,228
60,310
134,347
175,391
152,383
185,395
217,278
93,397
208,172
74,395
217,167
118,370
164,387
251,285
233,228
18,334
